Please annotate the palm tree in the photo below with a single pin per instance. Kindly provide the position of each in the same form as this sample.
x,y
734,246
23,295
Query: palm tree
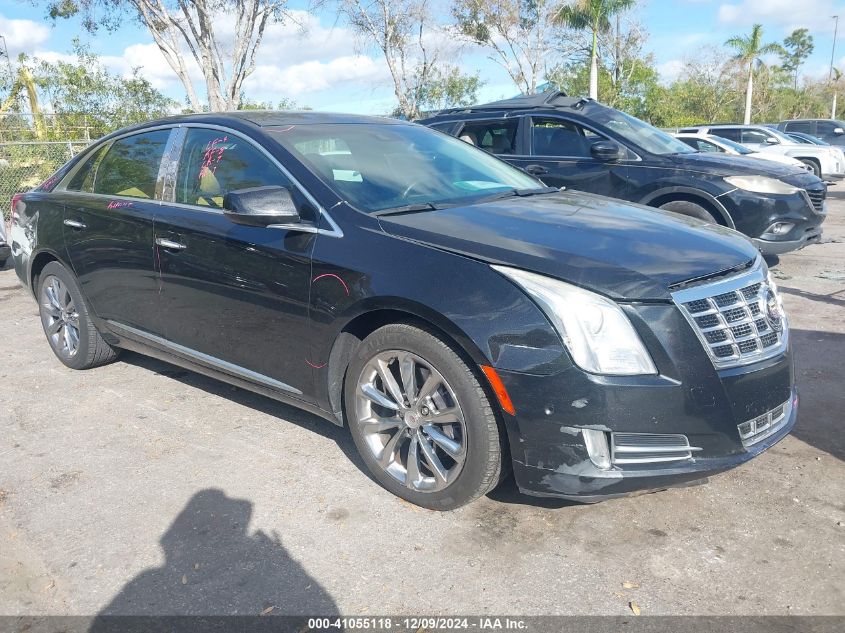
x,y
748,50
593,16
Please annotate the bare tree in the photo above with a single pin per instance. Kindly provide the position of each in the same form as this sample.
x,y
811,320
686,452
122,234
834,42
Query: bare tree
x,y
177,25
521,34
405,33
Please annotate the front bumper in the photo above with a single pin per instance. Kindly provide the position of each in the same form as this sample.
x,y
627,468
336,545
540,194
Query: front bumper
x,y
811,235
688,397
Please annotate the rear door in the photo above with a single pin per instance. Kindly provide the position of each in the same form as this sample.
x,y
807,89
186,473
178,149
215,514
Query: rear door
x,y
234,297
110,203
559,154
804,127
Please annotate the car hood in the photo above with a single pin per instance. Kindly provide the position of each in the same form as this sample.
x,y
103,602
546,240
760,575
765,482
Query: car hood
x,y
731,165
619,249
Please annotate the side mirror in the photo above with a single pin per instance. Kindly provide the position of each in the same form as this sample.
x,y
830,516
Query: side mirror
x,y
260,206
838,130
771,140
607,151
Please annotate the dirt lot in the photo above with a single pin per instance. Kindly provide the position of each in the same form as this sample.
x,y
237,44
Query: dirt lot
x,y
142,488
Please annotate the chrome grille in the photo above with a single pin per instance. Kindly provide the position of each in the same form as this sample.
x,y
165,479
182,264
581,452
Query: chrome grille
x,y
649,448
817,197
763,426
732,319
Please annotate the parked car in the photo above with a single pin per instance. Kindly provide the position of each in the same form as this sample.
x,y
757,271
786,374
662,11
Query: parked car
x,y
5,249
719,145
460,317
829,130
824,162
581,144
807,139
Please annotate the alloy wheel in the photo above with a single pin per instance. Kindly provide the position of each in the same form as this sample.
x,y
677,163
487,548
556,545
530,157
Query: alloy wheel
x,y
411,420
61,319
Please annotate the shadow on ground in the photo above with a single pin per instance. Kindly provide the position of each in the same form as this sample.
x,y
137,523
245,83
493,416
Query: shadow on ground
x,y
214,566
820,375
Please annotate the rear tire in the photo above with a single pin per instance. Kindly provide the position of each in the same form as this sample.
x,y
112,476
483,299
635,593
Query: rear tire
x,y
440,448
813,165
690,209
67,322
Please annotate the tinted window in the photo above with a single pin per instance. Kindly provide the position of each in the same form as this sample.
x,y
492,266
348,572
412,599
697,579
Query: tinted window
x,y
755,136
214,163
381,166
826,128
805,127
130,167
496,137
556,137
730,133
83,180
707,146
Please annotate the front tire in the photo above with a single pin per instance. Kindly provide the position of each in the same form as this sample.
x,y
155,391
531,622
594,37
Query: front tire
x,y
67,322
421,420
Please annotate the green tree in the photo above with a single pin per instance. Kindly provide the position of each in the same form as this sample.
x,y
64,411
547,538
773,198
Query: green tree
x,y
747,51
449,88
796,49
593,16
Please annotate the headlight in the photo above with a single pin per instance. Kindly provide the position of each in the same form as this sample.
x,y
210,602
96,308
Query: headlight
x,y
761,184
594,329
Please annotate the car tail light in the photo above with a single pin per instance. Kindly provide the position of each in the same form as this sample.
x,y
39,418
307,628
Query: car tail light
x,y
15,199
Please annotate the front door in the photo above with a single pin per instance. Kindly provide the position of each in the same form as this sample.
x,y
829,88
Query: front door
x,y
110,204
560,156
234,296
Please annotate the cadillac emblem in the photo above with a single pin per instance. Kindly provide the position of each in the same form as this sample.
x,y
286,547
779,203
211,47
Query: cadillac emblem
x,y
773,313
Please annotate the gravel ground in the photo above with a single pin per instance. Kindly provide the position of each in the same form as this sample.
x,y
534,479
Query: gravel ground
x,y
143,488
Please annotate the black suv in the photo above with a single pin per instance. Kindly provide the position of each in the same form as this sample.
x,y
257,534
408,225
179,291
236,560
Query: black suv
x,y
829,130
580,144
457,315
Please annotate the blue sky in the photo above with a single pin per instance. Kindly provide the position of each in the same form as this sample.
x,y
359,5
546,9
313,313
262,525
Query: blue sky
x,y
323,68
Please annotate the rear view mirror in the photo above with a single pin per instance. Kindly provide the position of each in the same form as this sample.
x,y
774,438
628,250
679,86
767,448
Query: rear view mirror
x,y
607,151
771,140
838,130
260,206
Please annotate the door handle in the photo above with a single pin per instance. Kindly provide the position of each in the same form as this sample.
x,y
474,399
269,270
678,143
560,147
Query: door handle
x,y
170,244
75,224
536,170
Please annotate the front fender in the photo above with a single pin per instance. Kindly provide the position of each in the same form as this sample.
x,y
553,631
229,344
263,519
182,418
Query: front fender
x,y
687,192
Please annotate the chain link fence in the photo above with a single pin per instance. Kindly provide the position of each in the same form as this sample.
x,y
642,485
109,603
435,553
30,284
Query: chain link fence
x,y
26,165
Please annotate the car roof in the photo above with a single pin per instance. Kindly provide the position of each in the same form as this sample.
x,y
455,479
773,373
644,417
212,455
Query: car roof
x,y
273,118
550,100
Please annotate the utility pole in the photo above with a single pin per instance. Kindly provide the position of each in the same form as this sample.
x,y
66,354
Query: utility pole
x,y
832,55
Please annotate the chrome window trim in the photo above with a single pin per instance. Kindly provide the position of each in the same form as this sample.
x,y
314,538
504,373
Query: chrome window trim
x,y
93,148
166,170
214,362
334,231
755,274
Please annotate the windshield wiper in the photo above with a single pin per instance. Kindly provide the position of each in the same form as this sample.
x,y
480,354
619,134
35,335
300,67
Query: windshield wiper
x,y
407,208
522,193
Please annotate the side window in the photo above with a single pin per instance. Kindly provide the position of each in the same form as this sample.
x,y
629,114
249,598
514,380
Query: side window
x,y
754,136
83,179
496,137
443,127
825,128
214,163
730,133
556,137
707,146
130,167
805,127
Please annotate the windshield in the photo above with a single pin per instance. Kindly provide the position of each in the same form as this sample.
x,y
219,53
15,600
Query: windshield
x,y
639,132
384,166
739,149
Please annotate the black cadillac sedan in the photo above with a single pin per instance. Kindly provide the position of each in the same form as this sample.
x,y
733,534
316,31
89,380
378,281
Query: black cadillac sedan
x,y
458,316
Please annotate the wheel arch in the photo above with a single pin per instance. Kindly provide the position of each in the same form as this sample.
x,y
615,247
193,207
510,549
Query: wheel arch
x,y
371,318
689,194
37,264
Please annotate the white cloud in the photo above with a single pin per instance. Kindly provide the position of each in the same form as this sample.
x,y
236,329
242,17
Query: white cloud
x,y
22,36
784,14
670,71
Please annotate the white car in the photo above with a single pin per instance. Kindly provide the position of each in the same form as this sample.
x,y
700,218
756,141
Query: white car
x,y
717,144
826,162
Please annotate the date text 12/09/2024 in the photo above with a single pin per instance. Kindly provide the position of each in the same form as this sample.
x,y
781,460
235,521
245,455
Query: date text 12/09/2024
x,y
487,623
